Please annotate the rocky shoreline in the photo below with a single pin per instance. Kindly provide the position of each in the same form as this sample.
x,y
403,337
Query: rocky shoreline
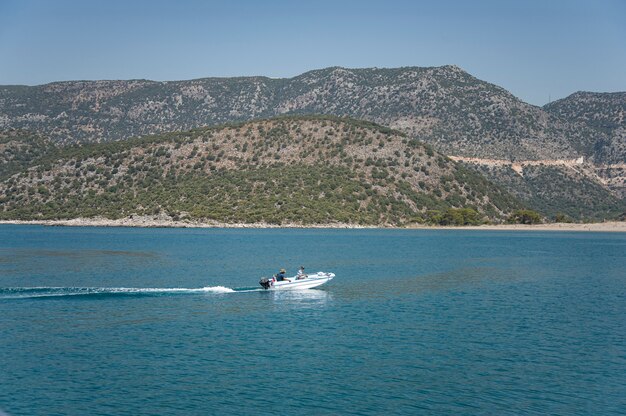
x,y
161,222
166,222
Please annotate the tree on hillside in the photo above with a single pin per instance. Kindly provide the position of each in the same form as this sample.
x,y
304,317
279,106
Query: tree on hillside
x,y
562,218
524,216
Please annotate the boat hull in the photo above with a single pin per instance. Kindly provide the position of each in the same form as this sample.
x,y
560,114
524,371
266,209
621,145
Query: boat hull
x,y
311,281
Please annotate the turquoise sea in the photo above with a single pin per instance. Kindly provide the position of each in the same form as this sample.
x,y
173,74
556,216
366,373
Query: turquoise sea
x,y
112,321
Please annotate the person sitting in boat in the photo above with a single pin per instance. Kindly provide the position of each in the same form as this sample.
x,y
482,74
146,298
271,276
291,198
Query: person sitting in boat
x,y
301,275
280,276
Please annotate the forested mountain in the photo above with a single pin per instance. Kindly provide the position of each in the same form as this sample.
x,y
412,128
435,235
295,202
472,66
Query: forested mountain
x,y
456,113
445,106
604,113
557,191
19,148
300,170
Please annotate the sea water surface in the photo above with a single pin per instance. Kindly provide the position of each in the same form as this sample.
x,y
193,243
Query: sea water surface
x,y
108,321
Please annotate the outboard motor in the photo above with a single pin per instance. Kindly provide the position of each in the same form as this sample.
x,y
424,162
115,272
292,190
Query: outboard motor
x,y
265,283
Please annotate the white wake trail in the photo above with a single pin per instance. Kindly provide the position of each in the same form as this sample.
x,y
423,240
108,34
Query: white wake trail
x,y
55,291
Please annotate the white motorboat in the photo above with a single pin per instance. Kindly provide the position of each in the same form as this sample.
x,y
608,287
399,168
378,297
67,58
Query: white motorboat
x,y
307,281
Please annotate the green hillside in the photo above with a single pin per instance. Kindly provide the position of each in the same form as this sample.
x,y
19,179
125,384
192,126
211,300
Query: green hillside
x,y
602,113
446,107
305,170
19,148
553,190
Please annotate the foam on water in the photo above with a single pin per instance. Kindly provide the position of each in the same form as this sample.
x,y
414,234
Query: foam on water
x,y
52,291
218,289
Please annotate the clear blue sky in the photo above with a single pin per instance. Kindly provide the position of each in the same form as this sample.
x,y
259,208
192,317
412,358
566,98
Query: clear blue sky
x,y
535,49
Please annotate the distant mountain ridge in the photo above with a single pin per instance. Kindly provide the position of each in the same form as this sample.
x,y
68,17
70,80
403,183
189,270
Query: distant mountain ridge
x,y
445,106
605,113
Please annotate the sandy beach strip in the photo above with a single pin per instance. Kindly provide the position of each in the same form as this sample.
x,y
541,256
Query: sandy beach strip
x,y
612,226
159,222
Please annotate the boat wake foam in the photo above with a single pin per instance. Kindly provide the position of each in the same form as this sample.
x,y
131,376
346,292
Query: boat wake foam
x,y
48,292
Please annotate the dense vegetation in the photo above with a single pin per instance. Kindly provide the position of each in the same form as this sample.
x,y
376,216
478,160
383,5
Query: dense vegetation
x,y
304,170
553,190
444,106
19,148
525,216
603,113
